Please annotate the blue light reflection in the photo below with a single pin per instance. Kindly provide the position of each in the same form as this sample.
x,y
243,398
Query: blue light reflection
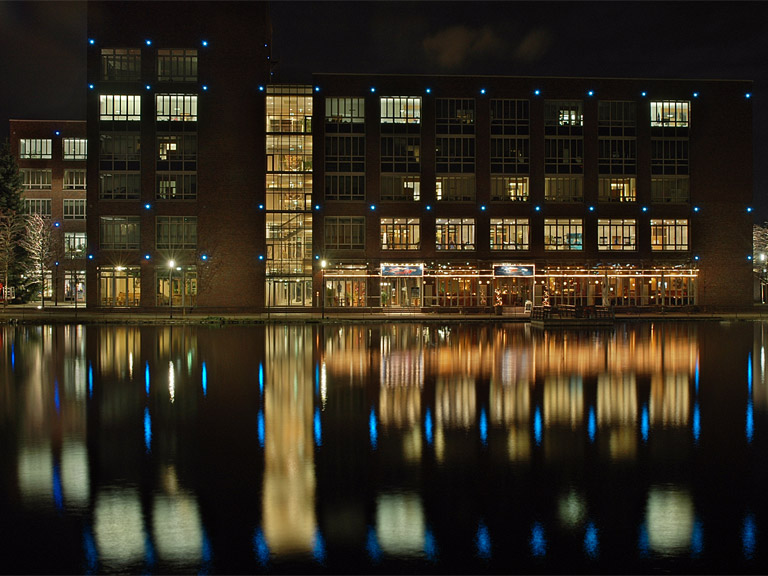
x,y
58,493
318,547
90,550
483,427
372,545
645,424
205,379
537,426
748,536
318,428
643,542
373,432
696,425
147,430
430,545
90,380
483,541
697,538
260,427
428,426
591,541
261,379
592,424
146,377
260,547
538,540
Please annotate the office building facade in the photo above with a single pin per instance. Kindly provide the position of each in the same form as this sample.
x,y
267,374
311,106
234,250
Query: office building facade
x,y
52,157
211,187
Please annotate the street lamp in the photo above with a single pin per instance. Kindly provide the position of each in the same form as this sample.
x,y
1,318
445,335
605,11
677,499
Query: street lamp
x,y
171,264
323,264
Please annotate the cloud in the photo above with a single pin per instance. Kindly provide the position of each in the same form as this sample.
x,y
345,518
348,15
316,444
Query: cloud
x,y
456,46
534,46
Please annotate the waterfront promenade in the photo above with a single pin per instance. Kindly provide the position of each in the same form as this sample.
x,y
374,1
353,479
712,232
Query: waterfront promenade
x,y
68,314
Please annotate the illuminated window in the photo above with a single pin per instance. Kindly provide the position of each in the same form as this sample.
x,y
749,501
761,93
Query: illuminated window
x,y
177,65
122,64
616,190
400,109
35,148
119,107
401,187
176,150
40,206
176,107
509,233
563,234
673,113
400,233
616,234
566,113
670,189
75,179
458,188
36,179
176,232
669,234
345,232
344,111
119,232
564,189
176,186
75,244
75,148
509,188
455,233
74,208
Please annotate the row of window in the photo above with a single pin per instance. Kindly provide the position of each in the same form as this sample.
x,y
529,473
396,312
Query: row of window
x,y
74,208
171,232
462,187
508,116
348,233
168,107
173,65
42,148
42,179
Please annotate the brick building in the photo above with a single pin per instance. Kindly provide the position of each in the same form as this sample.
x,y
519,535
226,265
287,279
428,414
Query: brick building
x,y
52,159
212,187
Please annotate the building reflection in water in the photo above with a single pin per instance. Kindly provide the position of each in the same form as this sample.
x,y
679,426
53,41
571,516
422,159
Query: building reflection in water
x,y
108,422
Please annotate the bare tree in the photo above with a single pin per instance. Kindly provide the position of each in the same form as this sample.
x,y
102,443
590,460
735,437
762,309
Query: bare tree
x,y
11,227
38,242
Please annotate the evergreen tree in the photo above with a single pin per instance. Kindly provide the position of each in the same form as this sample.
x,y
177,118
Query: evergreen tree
x,y
11,182
15,257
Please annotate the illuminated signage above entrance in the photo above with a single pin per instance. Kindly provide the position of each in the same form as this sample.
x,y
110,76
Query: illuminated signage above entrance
x,y
392,270
508,270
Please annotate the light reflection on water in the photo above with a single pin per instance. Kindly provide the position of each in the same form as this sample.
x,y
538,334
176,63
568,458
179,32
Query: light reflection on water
x,y
402,447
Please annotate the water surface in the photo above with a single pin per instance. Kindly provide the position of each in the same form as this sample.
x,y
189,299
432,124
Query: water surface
x,y
384,448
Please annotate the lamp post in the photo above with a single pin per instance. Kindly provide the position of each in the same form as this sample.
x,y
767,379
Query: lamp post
x,y
171,264
323,264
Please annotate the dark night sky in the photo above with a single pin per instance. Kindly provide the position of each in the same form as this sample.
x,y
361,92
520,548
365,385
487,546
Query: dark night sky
x,y
42,47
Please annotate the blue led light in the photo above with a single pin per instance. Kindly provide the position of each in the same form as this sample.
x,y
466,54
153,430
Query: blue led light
x,y
482,90
317,88
204,257
482,208
591,93
148,42
57,224
747,95
57,133
537,92
695,94
90,256
749,257
373,206
373,89
591,208
147,257
90,86
695,208
261,256
205,87
147,206
317,206
429,90
261,206
643,94
696,257
749,208
204,43
261,88
91,41
645,208
148,87
429,207
537,208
